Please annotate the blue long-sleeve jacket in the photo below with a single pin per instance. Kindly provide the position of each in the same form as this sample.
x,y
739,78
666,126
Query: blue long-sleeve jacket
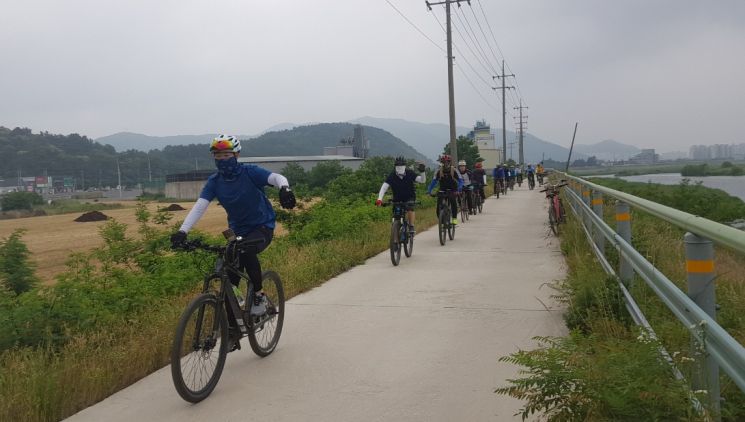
x,y
435,180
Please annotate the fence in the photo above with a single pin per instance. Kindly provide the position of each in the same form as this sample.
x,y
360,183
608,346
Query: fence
x,y
712,347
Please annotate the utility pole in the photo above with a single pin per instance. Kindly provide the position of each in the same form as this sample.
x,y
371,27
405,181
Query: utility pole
x,y
511,144
119,177
149,170
522,157
451,89
566,170
504,111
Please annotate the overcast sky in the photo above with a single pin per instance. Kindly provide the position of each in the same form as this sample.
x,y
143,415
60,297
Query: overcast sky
x,y
660,74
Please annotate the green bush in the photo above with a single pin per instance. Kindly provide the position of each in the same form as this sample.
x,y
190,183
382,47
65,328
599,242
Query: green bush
x,y
16,270
20,201
588,378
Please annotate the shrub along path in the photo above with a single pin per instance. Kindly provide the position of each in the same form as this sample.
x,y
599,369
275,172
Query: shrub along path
x,y
415,342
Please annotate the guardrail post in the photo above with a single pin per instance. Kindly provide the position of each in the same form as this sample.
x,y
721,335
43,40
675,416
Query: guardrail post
x,y
623,228
586,216
597,208
700,276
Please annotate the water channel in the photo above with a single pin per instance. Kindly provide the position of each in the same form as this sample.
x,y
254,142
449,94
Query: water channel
x,y
733,185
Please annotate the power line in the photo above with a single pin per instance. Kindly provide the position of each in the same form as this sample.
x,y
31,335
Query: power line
x,y
501,53
415,27
465,41
478,44
469,65
488,44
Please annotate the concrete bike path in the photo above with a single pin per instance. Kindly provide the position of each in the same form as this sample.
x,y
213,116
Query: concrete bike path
x,y
417,342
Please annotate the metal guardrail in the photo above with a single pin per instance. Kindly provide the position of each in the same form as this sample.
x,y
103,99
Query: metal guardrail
x,y
714,348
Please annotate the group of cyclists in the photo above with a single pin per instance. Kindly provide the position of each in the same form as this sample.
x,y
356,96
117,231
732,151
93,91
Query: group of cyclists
x,y
505,176
456,181
240,189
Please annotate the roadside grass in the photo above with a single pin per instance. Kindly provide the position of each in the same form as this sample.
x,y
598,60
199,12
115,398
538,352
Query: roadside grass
x,y
48,384
607,368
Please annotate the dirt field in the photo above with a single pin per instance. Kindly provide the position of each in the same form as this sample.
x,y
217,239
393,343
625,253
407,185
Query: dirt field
x,y
51,239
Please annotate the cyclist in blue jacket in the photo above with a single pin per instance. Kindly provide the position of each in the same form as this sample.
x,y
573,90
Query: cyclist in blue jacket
x,y
240,190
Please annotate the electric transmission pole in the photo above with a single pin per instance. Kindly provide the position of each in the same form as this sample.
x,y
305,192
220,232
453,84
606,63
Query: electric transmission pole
x,y
504,111
451,90
522,158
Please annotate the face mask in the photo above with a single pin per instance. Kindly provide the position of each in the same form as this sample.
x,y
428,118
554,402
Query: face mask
x,y
228,168
400,170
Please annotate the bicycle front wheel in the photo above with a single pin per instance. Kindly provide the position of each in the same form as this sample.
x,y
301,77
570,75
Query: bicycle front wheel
x,y
408,243
199,348
395,245
264,331
552,222
443,226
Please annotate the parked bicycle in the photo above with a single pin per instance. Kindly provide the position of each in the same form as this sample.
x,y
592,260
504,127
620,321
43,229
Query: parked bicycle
x,y
444,216
401,235
213,324
556,213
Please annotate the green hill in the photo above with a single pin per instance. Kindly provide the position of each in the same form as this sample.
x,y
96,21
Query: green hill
x,y
92,164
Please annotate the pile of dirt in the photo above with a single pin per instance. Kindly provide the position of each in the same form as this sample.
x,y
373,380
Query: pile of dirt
x,y
173,207
92,216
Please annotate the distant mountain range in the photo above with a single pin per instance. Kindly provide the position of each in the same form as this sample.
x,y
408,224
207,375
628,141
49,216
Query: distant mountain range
x,y
425,138
430,139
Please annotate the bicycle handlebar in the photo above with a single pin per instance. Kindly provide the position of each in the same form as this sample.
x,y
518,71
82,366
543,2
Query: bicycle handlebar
x,y
400,203
195,244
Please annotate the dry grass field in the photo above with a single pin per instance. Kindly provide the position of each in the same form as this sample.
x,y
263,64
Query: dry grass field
x,y
52,238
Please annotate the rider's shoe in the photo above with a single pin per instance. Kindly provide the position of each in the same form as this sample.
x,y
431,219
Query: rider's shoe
x,y
259,305
454,221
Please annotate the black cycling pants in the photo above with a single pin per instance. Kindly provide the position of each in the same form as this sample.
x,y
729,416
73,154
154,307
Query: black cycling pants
x,y
249,259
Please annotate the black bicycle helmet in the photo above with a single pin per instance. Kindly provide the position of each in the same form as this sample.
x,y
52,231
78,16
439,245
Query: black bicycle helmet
x,y
400,161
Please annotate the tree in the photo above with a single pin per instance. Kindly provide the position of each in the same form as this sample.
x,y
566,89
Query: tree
x,y
323,173
295,174
20,201
16,271
467,150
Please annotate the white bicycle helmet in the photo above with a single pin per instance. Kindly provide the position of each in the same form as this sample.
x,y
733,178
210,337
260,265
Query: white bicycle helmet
x,y
225,143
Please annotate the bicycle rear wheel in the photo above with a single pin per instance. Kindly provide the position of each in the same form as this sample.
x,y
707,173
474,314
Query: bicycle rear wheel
x,y
408,240
264,331
394,244
443,226
200,346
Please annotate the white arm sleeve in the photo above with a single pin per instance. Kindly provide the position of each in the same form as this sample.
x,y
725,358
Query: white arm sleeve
x,y
277,180
197,211
383,190
484,178
420,178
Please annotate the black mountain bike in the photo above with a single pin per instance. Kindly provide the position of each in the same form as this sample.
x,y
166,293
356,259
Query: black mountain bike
x,y
213,324
478,198
444,217
401,236
463,204
531,182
